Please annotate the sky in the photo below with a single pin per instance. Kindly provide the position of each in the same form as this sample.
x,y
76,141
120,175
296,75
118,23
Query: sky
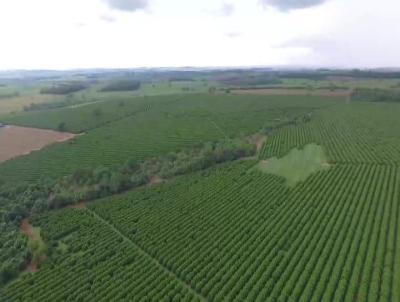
x,y
69,34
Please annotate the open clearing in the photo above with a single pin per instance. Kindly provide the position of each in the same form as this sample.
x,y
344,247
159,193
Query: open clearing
x,y
36,244
17,103
297,165
302,92
16,141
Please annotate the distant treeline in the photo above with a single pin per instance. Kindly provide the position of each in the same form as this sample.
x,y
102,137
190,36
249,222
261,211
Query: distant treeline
x,y
320,75
45,106
9,95
181,79
375,95
251,80
123,85
299,87
64,88
372,74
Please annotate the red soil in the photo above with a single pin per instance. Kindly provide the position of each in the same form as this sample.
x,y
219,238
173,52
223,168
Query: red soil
x,y
17,141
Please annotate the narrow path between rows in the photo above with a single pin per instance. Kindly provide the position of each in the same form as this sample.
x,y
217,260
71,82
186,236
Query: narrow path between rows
x,y
144,253
218,128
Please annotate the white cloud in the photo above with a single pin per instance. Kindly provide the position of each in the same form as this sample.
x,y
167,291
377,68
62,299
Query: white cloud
x,y
108,18
225,10
233,34
47,34
286,5
128,5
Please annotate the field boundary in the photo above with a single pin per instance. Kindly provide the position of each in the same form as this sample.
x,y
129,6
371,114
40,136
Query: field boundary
x,y
144,253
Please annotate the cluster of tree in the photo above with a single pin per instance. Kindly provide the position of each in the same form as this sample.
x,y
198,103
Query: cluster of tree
x,y
122,85
45,106
375,95
14,252
64,88
304,74
66,101
371,74
17,202
295,121
100,182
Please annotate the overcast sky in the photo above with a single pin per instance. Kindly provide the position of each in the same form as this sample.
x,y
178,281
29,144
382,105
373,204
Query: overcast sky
x,y
65,34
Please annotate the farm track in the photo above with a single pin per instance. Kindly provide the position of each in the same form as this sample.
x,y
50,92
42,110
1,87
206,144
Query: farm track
x,y
218,128
144,253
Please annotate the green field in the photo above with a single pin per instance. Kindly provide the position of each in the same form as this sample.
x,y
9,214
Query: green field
x,y
146,127
314,216
233,236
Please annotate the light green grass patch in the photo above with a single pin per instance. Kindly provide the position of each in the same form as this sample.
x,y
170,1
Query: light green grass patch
x,y
36,245
297,165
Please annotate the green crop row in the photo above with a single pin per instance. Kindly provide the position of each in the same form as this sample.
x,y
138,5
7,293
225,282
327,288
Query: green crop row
x,y
350,133
97,264
228,234
168,124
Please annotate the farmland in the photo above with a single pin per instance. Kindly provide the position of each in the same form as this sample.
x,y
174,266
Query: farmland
x,y
310,214
148,127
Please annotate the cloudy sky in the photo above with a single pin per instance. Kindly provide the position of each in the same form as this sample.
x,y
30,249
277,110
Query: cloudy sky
x,y
65,34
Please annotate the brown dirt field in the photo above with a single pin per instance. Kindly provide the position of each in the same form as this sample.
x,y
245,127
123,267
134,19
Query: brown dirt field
x,y
302,92
16,141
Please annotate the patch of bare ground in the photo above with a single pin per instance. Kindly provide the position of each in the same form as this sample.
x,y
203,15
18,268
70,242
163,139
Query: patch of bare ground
x,y
299,92
155,180
17,141
260,140
27,229
79,206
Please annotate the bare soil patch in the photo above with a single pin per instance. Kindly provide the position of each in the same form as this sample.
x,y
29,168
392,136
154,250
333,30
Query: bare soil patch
x,y
17,141
27,229
80,205
155,180
260,143
302,92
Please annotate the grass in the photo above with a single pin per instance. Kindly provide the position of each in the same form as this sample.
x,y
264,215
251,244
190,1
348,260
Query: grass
x,y
36,245
298,165
17,103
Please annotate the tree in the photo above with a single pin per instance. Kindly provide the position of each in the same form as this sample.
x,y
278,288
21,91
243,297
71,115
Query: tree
x,y
97,112
62,126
